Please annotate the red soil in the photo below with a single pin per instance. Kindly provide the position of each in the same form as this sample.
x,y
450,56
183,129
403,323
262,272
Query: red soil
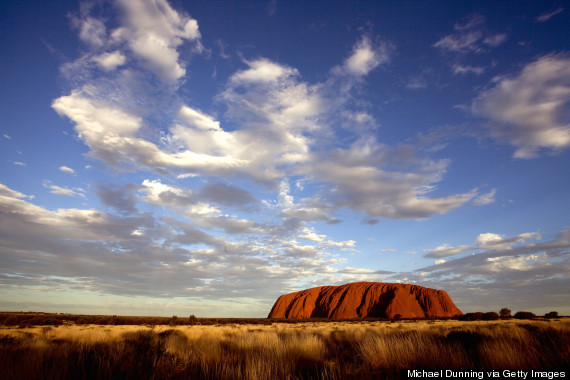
x,y
365,299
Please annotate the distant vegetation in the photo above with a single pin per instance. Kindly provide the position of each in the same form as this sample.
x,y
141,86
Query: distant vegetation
x,y
29,319
300,350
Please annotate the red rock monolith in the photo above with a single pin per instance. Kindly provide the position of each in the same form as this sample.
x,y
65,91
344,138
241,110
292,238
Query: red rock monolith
x,y
365,300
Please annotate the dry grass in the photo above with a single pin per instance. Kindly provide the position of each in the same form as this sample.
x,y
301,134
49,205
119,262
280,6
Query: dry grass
x,y
280,351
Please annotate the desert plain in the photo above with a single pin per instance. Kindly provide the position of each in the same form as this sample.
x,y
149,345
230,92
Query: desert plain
x,y
277,349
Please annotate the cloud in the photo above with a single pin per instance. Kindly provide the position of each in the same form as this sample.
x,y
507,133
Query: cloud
x,y
485,199
153,31
54,189
19,163
460,42
382,181
66,169
227,195
469,35
5,191
365,57
94,251
446,251
495,241
485,241
547,16
527,110
282,121
120,197
460,69
495,40
528,273
110,61
91,30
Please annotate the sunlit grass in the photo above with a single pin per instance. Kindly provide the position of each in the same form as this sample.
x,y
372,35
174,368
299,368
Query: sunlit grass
x,y
333,350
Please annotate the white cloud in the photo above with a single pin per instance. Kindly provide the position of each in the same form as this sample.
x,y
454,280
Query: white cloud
x,y
198,119
91,30
359,179
495,241
54,189
280,119
153,31
529,268
439,262
469,36
310,234
110,61
340,244
485,199
147,256
19,163
511,263
460,69
66,169
548,15
7,137
528,110
460,42
263,70
5,191
366,56
111,134
446,251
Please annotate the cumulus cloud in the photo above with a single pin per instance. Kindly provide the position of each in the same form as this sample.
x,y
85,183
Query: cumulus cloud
x,y
110,61
153,31
528,110
280,117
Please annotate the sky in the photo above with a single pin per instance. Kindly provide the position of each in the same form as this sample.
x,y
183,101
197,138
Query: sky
x,y
204,157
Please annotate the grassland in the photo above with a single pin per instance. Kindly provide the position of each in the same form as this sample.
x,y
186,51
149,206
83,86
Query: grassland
x,y
307,350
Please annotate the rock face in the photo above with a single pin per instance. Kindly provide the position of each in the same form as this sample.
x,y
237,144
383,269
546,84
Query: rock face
x,y
365,299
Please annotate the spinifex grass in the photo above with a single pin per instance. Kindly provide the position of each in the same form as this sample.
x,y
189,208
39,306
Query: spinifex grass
x,y
280,351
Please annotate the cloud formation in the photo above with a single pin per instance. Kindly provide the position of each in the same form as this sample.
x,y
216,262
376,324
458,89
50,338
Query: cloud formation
x,y
528,110
470,36
503,267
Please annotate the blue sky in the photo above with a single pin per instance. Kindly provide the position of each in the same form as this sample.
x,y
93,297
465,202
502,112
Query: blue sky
x,y
176,158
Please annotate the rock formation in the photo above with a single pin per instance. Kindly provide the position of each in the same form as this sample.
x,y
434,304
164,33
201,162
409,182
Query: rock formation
x,y
365,299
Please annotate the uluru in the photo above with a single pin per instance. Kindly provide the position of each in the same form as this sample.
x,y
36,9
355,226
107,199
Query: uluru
x,y
365,300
